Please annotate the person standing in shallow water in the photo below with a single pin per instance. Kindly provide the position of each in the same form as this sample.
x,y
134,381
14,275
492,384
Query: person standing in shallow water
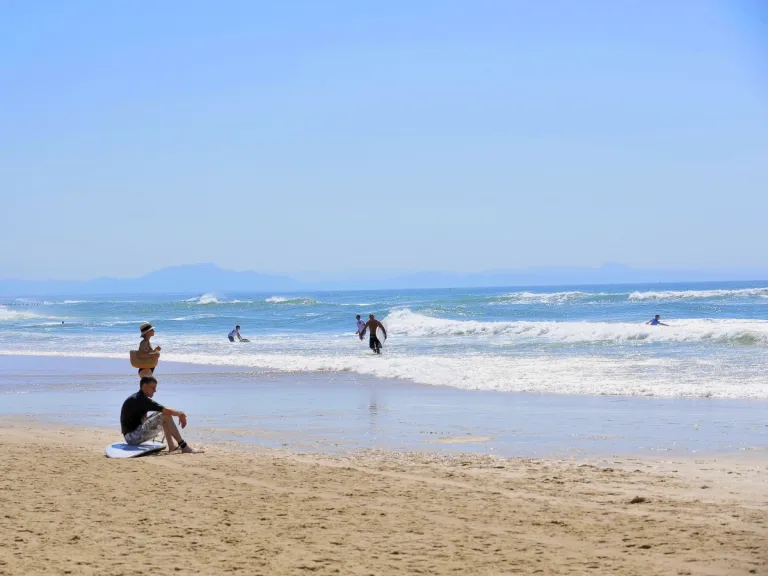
x,y
656,321
360,326
373,341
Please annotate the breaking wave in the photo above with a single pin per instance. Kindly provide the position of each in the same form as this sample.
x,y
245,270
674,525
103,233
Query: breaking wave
x,y
292,300
693,294
549,297
407,323
10,315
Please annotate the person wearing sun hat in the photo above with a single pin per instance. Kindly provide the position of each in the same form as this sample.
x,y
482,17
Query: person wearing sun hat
x,y
145,348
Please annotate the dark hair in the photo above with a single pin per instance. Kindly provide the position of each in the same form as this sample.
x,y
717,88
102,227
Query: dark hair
x,y
358,316
238,326
153,370
147,380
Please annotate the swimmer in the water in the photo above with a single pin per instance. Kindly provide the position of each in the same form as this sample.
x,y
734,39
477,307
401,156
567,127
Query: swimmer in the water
x,y
656,321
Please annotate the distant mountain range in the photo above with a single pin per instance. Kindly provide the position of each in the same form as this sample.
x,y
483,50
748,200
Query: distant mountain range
x,y
202,278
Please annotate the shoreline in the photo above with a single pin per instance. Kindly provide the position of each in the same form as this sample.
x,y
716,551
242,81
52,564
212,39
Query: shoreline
x,y
67,508
346,412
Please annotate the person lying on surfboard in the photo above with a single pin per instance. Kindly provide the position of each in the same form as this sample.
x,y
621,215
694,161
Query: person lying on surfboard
x,y
373,341
137,428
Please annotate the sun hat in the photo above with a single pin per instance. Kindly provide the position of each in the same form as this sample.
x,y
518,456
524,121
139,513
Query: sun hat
x,y
146,327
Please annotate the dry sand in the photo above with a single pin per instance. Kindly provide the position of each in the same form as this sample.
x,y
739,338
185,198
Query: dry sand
x,y
66,509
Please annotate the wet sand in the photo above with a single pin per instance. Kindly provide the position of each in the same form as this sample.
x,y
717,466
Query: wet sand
x,y
66,509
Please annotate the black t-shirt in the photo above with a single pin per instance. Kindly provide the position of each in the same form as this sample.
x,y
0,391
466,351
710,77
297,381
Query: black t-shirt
x,y
134,409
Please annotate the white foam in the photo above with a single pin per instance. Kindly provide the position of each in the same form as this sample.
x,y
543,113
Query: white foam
x,y
291,300
193,317
408,323
695,294
626,374
276,299
208,299
10,315
546,297
549,374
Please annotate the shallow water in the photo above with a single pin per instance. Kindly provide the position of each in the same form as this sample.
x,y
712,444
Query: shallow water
x,y
339,412
571,340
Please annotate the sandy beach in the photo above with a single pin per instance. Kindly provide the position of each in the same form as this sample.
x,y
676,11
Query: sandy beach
x,y
66,509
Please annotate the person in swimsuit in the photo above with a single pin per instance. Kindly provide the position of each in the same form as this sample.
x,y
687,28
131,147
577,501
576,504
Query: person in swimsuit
x,y
138,428
235,332
656,321
372,325
360,326
145,347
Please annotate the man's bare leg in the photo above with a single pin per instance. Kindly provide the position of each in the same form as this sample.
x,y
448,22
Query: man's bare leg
x,y
172,433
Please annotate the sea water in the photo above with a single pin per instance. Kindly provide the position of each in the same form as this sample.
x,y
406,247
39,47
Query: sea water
x,y
568,340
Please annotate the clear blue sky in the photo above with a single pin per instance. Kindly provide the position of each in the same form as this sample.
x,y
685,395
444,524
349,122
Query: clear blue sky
x,y
275,136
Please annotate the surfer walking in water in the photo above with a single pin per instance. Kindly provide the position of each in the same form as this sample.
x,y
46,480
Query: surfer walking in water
x,y
360,326
656,321
373,341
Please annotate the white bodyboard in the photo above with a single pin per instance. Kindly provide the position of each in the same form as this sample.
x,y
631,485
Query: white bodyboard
x,y
123,450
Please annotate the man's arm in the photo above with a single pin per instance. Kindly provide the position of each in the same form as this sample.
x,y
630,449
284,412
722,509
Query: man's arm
x,y
178,413
365,327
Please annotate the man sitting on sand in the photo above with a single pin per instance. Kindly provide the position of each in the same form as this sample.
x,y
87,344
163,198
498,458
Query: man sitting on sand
x,y
656,321
372,325
137,428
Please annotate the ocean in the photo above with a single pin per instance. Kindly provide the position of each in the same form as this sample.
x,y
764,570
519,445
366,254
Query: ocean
x,y
588,340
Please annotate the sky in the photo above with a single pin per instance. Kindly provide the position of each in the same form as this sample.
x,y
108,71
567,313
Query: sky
x,y
330,136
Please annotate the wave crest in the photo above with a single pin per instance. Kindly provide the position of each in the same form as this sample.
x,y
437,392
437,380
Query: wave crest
x,y
291,300
699,294
546,297
750,332
7,315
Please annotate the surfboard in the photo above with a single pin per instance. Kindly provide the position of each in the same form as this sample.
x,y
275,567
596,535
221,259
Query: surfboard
x,y
245,340
123,450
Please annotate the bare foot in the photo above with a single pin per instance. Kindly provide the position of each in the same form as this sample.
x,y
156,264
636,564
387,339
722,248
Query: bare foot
x,y
189,450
